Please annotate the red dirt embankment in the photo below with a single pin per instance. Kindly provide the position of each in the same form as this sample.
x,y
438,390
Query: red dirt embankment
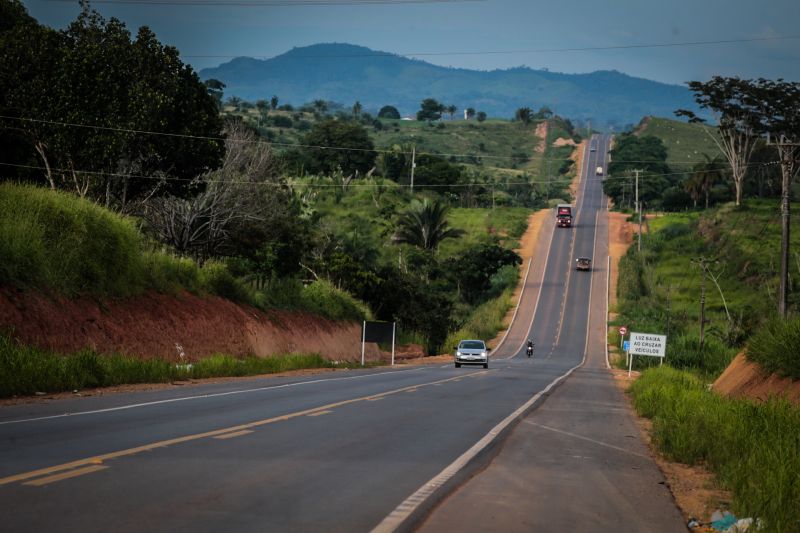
x,y
158,325
745,379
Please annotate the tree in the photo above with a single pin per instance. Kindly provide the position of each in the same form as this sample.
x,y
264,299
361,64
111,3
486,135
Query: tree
x,y
481,116
335,144
737,105
476,266
215,90
425,225
430,109
451,110
524,115
470,113
389,112
703,178
436,173
273,102
321,106
93,74
357,110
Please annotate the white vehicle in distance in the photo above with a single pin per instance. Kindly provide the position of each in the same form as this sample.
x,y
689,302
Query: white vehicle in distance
x,y
599,171
472,352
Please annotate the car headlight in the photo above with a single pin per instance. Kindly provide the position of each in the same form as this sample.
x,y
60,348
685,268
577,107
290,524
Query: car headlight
x,y
484,354
459,354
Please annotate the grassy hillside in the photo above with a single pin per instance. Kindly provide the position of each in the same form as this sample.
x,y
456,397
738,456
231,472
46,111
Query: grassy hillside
x,y
659,290
54,242
686,143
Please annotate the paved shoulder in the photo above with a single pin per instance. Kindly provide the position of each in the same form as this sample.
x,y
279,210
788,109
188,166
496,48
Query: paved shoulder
x,y
575,464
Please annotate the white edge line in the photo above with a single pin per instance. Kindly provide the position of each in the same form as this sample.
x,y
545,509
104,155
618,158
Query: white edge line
x,y
538,295
201,396
516,309
591,284
394,519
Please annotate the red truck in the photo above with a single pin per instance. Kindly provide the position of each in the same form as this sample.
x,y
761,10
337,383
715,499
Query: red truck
x,y
564,215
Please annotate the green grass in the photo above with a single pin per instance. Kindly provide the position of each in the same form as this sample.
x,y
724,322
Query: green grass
x,y
52,241
686,143
26,370
485,321
753,448
776,347
481,224
660,288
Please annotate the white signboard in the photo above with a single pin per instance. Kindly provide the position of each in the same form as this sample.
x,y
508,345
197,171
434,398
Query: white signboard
x,y
648,344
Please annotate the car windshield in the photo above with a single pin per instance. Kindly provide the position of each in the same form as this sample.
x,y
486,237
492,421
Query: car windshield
x,y
471,345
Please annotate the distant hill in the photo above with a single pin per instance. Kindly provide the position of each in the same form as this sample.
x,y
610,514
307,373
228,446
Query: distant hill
x,y
345,73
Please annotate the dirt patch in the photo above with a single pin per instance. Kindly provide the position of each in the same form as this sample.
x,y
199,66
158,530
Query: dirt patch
x,y
620,237
541,133
746,379
577,157
159,325
693,487
563,141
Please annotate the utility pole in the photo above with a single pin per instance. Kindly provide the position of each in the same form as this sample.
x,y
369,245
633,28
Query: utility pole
x,y
637,171
789,152
413,165
703,262
639,209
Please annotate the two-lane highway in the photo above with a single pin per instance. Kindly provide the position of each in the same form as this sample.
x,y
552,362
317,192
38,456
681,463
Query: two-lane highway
x,y
342,451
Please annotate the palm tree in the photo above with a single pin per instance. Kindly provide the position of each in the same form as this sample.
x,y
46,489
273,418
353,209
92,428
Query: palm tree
x,y
357,110
320,105
425,225
451,110
707,173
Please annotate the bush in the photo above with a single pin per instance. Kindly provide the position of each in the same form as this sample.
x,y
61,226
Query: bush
x,y
776,347
630,284
322,298
484,323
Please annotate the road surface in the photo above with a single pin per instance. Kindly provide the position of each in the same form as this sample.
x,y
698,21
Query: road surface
x,y
342,451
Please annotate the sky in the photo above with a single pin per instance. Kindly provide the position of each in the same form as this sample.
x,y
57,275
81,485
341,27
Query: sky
x,y
482,34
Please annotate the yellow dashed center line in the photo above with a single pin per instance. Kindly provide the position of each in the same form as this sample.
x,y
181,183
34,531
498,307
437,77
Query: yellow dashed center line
x,y
65,475
68,469
234,434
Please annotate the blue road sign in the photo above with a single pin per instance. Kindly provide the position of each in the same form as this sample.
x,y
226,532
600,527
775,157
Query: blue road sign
x,y
626,345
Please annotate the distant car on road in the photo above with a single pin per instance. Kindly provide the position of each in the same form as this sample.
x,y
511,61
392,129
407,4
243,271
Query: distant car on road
x,y
472,352
592,149
599,171
583,263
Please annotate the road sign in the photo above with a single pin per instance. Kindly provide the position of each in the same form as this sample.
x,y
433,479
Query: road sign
x,y
648,344
623,330
626,345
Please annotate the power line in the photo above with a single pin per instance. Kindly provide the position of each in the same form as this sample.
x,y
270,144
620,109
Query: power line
x,y
301,145
274,3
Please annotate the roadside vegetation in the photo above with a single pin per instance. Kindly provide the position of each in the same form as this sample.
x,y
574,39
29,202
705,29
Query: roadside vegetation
x,y
26,370
752,448
169,186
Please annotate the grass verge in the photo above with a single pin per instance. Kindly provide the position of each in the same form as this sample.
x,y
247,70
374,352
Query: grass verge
x,y
753,448
27,370
484,322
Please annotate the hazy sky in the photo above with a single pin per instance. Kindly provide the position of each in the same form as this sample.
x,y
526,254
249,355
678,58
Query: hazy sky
x,y
460,34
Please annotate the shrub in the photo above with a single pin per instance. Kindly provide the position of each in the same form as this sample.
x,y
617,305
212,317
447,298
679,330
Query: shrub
x,y
322,298
776,347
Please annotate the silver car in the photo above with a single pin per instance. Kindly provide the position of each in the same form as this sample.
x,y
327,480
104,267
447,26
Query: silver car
x,y
472,352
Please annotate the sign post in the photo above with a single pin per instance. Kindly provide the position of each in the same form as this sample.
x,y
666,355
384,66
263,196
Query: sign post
x,y
647,344
622,331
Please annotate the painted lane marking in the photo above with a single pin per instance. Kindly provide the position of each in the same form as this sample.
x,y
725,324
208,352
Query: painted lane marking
x,y
407,507
321,413
234,434
66,475
581,437
188,438
203,396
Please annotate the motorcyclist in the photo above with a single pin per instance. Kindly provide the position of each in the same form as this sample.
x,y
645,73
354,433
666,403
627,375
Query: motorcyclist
x,y
530,347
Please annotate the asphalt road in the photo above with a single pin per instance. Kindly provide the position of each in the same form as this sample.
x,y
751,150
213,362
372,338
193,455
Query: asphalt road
x,y
343,451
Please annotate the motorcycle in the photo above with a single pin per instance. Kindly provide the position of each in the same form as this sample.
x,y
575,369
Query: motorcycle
x,y
530,351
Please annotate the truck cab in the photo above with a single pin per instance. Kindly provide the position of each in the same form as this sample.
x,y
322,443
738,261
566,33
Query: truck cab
x,y
564,215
